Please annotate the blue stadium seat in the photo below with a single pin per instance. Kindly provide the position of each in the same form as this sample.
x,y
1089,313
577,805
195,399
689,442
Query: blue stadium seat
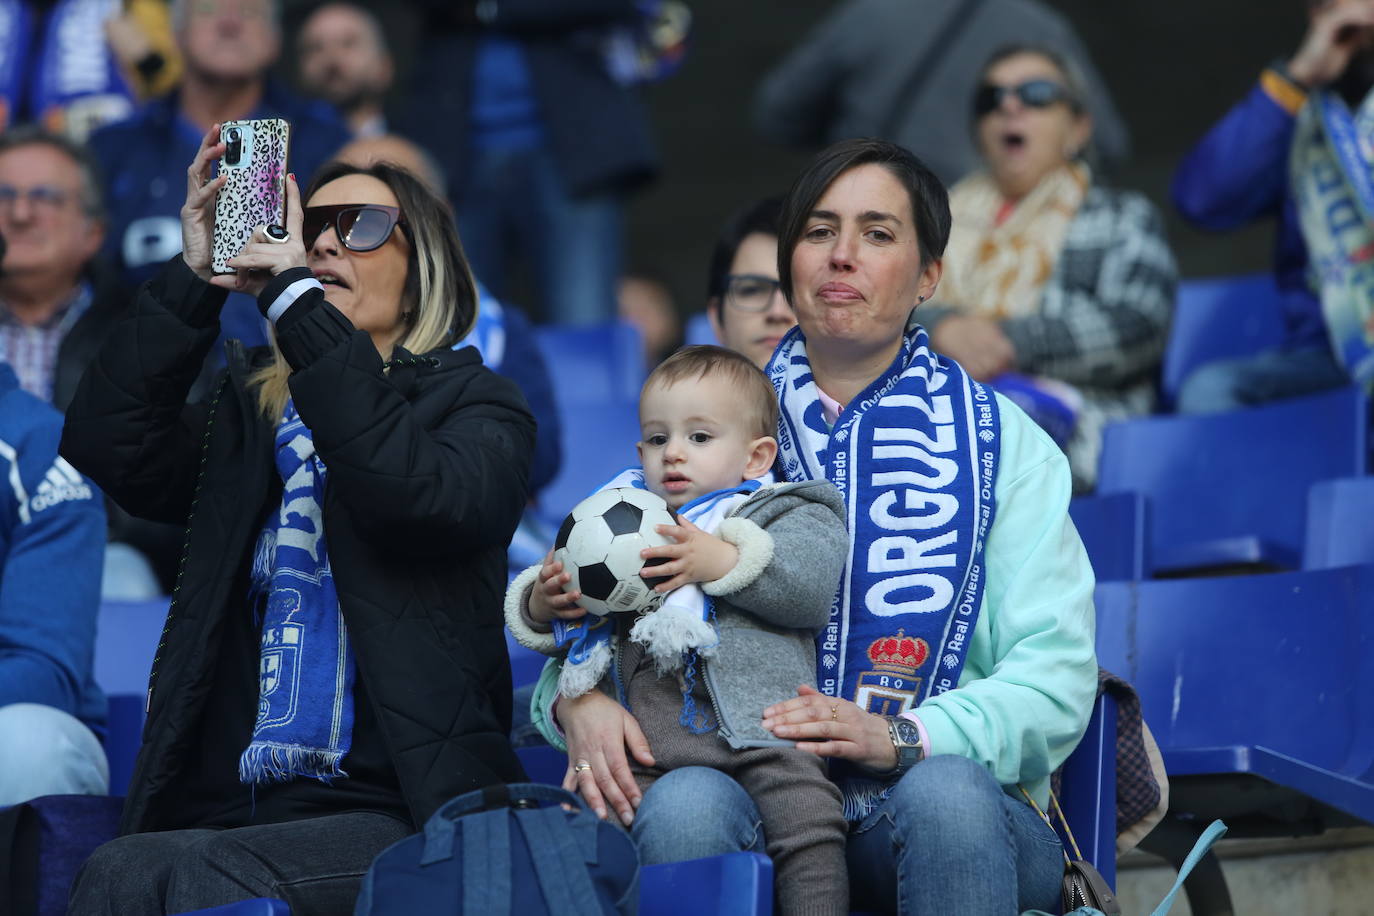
x,y
1268,676
543,763
525,664
1231,489
593,364
1220,318
127,634
53,836
1113,529
735,884
1088,790
1339,528
598,442
699,330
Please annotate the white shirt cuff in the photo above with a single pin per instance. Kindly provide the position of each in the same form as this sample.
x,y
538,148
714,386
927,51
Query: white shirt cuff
x,y
290,295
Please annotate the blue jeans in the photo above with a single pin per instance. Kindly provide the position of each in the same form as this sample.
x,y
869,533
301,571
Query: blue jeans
x,y
515,202
45,751
1273,375
947,841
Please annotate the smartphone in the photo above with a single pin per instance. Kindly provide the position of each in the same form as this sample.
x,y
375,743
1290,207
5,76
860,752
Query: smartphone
x,y
255,193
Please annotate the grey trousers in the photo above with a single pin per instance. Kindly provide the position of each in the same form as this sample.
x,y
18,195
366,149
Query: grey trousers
x,y
316,865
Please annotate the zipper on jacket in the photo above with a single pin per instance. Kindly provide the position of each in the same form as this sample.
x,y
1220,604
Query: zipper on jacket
x,y
235,349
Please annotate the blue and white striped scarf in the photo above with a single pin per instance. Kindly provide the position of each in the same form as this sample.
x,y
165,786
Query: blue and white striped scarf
x,y
915,457
306,669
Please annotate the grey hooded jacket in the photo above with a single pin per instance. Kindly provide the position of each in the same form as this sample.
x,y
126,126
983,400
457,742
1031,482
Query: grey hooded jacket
x,y
793,546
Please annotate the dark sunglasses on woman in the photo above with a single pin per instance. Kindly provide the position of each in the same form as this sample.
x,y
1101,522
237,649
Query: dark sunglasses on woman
x,y
1032,93
359,227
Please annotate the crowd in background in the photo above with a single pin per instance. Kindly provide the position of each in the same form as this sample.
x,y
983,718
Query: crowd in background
x,y
1057,285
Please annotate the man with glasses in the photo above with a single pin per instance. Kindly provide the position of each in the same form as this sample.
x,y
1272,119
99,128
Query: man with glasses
x,y
747,309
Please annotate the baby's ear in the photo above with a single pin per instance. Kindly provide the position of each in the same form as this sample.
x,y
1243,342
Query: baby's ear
x,y
762,452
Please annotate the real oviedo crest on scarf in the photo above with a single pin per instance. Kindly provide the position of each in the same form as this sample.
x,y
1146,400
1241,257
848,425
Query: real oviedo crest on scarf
x,y
890,688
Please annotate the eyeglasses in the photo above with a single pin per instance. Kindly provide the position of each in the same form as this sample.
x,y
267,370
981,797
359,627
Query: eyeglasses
x,y
750,292
359,227
1032,93
44,196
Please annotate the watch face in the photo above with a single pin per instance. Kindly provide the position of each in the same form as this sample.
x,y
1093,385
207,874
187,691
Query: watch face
x,y
906,731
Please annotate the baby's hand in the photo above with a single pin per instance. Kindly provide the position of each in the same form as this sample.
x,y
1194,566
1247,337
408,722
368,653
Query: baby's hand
x,y
696,557
547,598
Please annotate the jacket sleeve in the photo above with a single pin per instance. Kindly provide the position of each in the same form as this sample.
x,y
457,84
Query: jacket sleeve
x,y
1111,332
788,569
1238,172
50,584
128,426
1023,717
408,485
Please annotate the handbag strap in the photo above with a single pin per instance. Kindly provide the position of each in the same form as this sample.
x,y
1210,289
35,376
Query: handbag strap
x,y
1054,806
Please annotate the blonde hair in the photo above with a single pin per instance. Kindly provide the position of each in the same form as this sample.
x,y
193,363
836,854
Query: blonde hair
x,y
439,291
756,392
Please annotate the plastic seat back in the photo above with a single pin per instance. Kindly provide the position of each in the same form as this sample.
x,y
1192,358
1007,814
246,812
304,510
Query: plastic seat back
x,y
598,442
1113,531
127,634
1232,488
1220,318
1340,523
593,364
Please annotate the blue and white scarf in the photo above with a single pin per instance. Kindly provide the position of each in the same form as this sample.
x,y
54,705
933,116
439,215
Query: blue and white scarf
x,y
1331,165
306,669
78,84
915,457
674,634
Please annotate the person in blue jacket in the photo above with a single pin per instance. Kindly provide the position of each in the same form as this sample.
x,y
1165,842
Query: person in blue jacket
x,y
1238,173
52,545
228,46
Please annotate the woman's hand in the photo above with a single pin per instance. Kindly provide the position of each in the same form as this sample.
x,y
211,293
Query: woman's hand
x,y
261,259
548,599
1337,32
599,730
198,213
831,727
976,343
696,557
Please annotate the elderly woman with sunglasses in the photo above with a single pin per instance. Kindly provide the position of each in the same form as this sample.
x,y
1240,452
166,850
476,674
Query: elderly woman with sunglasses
x,y
1057,290
333,666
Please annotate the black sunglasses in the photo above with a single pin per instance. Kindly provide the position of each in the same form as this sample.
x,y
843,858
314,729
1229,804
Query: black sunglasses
x,y
359,227
1032,93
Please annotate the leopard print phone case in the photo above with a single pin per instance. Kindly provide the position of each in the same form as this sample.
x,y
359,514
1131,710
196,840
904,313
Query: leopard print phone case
x,y
255,194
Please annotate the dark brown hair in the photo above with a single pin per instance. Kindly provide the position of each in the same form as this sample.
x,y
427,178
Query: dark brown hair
x,y
929,199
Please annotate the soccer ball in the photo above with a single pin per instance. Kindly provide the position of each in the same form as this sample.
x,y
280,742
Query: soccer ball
x,y
599,544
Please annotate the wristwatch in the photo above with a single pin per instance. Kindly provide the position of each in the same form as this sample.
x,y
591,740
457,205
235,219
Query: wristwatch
x,y
906,738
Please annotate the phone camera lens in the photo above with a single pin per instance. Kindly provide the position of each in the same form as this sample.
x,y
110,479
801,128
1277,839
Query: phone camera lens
x,y
233,146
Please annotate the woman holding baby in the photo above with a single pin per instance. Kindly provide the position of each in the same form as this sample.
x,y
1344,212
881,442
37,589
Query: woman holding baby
x,y
957,668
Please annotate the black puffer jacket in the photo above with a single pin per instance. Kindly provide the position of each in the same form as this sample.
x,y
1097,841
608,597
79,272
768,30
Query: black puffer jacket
x,y
427,479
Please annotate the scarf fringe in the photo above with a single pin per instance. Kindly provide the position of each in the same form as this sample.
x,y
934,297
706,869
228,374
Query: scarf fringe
x,y
672,630
862,796
265,762
580,677
264,561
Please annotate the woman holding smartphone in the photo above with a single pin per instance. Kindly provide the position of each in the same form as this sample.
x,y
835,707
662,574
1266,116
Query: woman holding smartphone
x,y
333,666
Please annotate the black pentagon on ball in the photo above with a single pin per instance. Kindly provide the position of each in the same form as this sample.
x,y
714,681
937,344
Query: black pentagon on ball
x,y
564,530
644,572
596,581
623,518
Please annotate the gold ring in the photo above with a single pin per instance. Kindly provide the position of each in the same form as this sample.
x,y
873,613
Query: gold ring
x,y
834,712
581,765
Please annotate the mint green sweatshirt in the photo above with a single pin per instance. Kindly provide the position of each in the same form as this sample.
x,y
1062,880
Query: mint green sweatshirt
x,y
1030,679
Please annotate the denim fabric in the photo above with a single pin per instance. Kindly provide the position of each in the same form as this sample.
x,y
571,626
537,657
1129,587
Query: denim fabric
x,y
947,841
45,751
516,203
316,865
1251,380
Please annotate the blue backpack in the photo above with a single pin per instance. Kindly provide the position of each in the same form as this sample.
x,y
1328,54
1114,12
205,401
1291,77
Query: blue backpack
x,y
507,849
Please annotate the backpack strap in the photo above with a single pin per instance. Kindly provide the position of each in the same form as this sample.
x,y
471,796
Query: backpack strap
x,y
1203,846
486,864
440,827
562,855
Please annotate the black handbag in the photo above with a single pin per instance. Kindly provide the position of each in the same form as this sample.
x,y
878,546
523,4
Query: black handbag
x,y
1084,885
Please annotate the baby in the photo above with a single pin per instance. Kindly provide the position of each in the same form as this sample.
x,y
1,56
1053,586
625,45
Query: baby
x,y
755,564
